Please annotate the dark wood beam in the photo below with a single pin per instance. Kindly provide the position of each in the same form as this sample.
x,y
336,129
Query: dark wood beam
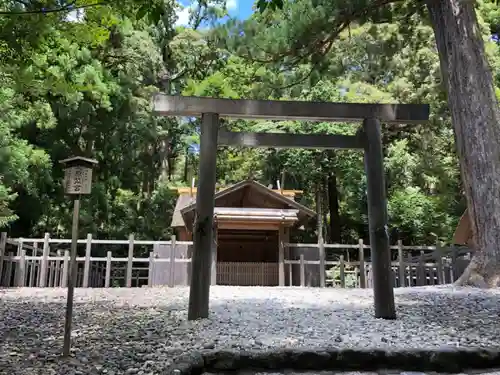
x,y
383,291
203,241
167,105
287,140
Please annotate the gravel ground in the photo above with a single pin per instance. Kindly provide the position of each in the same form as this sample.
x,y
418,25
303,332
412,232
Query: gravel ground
x,y
140,331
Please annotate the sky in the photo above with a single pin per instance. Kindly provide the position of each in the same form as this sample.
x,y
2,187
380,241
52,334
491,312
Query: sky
x,y
240,9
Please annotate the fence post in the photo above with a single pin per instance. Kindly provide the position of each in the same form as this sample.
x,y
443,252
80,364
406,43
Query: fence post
x,y
439,259
342,272
50,271
432,277
402,267
44,263
302,271
8,270
20,243
173,254
369,279
86,266
61,269
281,257
33,265
107,278
421,277
3,243
151,268
57,273
65,269
21,269
321,248
410,270
454,275
362,272
130,260
101,275
213,266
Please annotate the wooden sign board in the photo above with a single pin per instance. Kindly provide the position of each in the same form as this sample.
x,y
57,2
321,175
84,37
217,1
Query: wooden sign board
x,y
77,180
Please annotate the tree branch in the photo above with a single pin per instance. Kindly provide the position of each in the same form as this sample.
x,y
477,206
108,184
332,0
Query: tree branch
x,y
65,8
323,46
344,20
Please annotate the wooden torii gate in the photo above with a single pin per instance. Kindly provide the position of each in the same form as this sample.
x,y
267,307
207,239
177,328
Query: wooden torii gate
x,y
368,138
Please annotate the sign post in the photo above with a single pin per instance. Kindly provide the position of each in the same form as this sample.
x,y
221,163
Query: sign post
x,y
77,181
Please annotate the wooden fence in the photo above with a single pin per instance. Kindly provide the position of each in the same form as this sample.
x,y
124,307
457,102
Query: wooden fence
x,y
410,265
44,263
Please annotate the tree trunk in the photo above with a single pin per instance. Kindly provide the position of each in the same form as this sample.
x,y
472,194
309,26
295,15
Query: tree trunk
x,y
319,212
186,166
476,119
333,206
324,220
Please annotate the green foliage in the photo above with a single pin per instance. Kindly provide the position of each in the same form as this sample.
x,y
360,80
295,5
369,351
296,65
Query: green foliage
x,y
333,276
6,214
85,88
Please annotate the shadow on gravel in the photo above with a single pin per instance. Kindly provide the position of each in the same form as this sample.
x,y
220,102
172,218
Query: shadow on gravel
x,y
105,337
466,311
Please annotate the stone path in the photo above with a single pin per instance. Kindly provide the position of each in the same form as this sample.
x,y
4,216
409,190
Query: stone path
x,y
381,372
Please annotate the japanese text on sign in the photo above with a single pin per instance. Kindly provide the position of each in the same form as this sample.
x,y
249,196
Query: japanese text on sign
x,y
78,180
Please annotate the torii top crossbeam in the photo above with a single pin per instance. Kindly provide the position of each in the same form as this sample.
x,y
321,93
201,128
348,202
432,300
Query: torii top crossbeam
x,y
166,105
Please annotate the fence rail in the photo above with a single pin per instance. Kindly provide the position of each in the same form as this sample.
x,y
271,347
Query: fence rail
x,y
24,263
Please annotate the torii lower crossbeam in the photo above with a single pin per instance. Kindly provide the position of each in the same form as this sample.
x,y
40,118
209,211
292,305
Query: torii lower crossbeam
x,y
368,138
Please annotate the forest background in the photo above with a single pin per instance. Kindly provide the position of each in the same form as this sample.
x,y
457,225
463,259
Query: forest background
x,y
80,81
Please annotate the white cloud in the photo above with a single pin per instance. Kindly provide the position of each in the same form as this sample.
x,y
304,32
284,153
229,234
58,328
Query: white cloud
x,y
231,4
184,11
183,16
76,15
